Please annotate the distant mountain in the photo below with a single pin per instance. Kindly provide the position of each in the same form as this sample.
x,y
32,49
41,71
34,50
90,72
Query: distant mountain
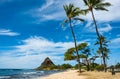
x,y
46,65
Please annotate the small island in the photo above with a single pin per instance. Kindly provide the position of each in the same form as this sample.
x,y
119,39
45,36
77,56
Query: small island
x,y
47,64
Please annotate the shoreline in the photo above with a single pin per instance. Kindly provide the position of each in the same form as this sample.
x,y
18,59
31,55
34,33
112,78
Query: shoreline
x,y
68,74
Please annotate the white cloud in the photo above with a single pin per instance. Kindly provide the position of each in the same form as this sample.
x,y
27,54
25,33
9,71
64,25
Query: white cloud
x,y
115,43
53,10
29,62
42,45
89,24
90,27
105,29
117,40
46,5
33,51
7,32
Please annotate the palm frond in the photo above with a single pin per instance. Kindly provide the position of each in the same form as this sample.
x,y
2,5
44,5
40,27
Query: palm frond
x,y
97,4
105,45
82,46
93,2
71,8
65,8
85,11
64,22
107,4
71,11
70,51
97,43
101,8
85,1
69,57
80,19
82,12
75,9
82,56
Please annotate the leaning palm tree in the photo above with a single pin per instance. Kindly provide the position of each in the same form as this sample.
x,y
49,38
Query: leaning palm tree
x,y
70,54
71,13
97,5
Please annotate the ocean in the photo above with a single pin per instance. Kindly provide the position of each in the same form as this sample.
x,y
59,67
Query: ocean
x,y
24,73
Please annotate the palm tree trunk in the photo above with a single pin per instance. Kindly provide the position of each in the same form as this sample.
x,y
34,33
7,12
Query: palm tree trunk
x,y
97,32
78,59
87,65
93,65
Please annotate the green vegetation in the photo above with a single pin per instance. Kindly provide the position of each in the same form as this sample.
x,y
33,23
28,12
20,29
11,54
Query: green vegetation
x,y
61,67
93,65
97,67
83,52
117,66
66,66
100,68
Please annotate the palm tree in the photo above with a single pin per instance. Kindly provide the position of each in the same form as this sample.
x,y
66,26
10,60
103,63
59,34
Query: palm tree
x,y
86,52
105,51
71,13
97,5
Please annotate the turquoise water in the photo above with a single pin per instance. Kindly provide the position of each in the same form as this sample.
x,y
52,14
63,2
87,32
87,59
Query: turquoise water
x,y
23,73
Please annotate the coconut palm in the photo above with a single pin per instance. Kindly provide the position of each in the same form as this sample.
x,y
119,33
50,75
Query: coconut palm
x,y
105,51
71,13
97,5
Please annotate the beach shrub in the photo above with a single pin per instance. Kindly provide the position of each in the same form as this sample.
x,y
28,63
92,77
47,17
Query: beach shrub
x,y
117,66
82,67
66,66
76,66
100,68
93,66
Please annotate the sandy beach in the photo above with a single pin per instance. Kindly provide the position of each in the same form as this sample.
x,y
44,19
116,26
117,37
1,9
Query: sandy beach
x,y
73,74
69,74
101,75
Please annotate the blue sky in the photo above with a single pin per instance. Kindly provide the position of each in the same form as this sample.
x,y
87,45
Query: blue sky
x,y
31,30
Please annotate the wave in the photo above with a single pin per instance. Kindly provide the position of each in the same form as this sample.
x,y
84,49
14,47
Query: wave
x,y
4,77
23,73
29,73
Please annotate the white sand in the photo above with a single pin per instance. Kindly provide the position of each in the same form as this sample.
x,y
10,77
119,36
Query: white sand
x,y
69,74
